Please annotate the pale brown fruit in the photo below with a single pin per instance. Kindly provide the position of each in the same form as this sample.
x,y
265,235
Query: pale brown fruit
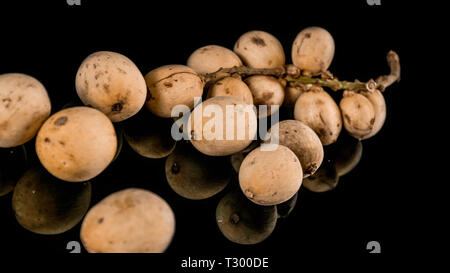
x,y
270,177
76,144
291,94
266,90
325,179
111,83
244,222
347,154
317,109
128,221
209,59
44,204
208,132
24,106
231,87
260,49
313,50
194,175
302,140
172,85
149,136
379,106
358,114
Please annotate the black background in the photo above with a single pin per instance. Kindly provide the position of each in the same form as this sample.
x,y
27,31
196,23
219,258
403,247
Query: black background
x,y
49,41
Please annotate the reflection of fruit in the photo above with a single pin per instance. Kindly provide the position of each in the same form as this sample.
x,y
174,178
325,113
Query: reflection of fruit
x,y
14,163
243,222
149,136
325,179
111,83
285,208
46,205
302,140
194,175
24,106
313,50
317,109
346,154
129,221
270,177
76,144
260,49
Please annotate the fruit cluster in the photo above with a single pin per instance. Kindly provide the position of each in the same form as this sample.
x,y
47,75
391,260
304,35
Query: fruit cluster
x,y
77,143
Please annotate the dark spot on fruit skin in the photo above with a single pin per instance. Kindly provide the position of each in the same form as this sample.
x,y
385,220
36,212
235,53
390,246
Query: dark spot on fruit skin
x,y
19,98
121,71
168,84
258,41
7,102
47,140
267,96
270,62
100,220
62,143
358,106
98,75
106,87
321,132
347,118
234,218
372,121
175,168
275,193
227,91
117,107
95,66
61,121
307,35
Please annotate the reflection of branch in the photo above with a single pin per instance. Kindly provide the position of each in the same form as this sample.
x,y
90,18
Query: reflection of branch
x,y
293,76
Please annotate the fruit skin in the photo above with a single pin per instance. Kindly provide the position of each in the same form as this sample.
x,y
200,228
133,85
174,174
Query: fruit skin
x,y
14,163
194,175
313,50
325,179
128,221
76,144
291,95
44,204
210,58
231,87
172,85
302,140
24,106
379,106
243,222
266,90
358,114
270,177
211,145
260,49
317,109
111,83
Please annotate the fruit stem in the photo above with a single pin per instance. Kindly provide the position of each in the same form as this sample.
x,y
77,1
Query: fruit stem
x,y
293,76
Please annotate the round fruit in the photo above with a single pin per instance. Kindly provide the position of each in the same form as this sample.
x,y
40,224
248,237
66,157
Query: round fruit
x,y
194,175
325,179
172,85
111,83
222,126
266,90
209,59
44,204
14,164
231,87
150,136
302,140
313,50
128,221
317,109
76,144
260,49
358,114
24,106
379,106
243,222
270,177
